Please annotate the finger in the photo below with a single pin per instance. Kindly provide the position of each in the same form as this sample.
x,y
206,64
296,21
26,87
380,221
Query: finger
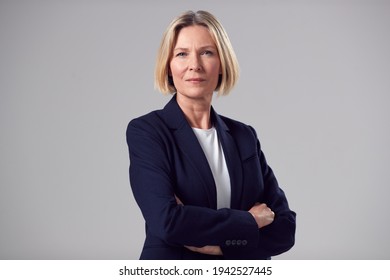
x,y
192,248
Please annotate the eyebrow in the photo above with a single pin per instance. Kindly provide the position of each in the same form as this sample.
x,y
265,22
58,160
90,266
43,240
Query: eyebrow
x,y
201,48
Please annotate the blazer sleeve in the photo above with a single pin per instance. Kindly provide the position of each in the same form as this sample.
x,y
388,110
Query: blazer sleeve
x,y
279,236
152,182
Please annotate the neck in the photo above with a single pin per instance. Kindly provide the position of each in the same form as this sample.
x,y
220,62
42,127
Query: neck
x,y
196,111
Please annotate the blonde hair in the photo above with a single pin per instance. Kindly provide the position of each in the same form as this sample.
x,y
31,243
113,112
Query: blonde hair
x,y
229,64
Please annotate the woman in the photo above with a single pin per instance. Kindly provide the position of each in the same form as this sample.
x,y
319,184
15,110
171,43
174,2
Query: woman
x,y
200,179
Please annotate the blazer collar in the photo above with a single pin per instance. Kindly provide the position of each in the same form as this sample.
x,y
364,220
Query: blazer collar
x,y
175,119
173,115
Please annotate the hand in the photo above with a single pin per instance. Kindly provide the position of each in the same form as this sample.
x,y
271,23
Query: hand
x,y
262,214
208,250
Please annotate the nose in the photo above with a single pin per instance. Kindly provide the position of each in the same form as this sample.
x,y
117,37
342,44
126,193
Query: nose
x,y
194,63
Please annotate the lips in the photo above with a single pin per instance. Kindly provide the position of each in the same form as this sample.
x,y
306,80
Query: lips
x,y
195,80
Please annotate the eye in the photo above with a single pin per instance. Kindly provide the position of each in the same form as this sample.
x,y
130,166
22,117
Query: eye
x,y
181,54
207,52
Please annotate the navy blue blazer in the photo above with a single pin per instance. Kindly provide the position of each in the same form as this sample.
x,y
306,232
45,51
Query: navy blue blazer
x,y
166,159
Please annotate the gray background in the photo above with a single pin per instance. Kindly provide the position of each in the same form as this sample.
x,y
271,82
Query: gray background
x,y
315,83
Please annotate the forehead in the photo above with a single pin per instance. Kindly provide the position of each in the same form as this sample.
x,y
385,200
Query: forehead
x,y
194,34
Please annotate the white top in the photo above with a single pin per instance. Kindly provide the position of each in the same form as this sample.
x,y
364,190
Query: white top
x,y
212,148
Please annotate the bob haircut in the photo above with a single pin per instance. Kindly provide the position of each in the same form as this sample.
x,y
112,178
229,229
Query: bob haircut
x,y
229,64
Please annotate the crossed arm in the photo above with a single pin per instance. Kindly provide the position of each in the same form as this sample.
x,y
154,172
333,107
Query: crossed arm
x,y
262,214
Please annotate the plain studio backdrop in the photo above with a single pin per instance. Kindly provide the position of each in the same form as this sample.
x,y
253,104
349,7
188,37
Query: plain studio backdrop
x,y
315,84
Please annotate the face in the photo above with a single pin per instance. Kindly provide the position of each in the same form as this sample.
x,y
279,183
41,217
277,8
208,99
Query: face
x,y
195,64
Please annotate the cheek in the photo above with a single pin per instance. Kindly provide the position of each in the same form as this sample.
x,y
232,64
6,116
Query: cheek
x,y
175,69
215,66
216,69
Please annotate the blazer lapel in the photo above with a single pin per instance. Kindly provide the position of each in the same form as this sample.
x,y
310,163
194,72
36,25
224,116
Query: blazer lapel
x,y
233,160
190,147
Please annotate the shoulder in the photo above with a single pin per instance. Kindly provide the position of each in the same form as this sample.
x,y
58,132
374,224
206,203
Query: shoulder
x,y
163,120
238,128
147,121
149,125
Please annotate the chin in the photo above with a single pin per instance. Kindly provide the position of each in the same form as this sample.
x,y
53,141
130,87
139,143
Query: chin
x,y
196,93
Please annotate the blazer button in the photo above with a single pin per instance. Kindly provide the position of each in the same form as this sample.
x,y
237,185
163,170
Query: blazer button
x,y
228,242
244,242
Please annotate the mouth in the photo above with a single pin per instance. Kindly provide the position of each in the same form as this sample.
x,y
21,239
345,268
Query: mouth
x,y
195,80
